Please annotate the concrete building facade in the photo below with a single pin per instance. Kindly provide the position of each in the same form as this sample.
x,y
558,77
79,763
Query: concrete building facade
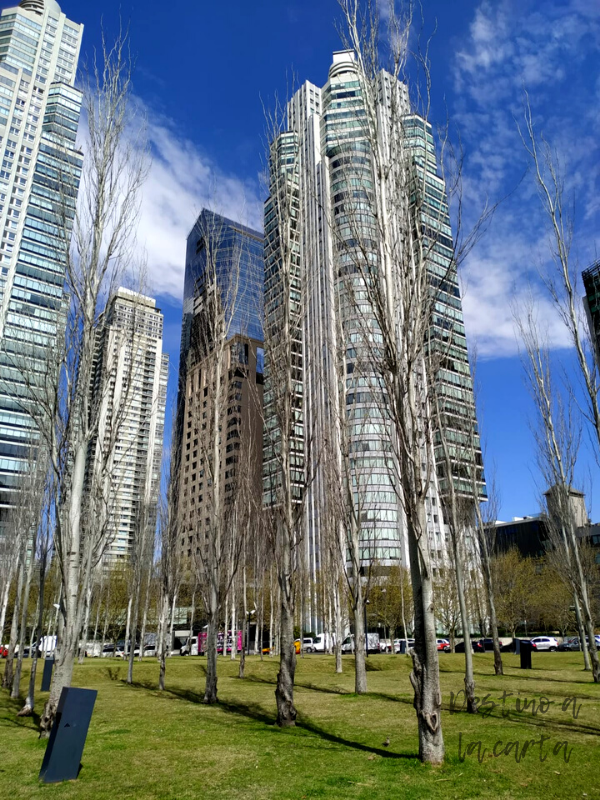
x,y
129,389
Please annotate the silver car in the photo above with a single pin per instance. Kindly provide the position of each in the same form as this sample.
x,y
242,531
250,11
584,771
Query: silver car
x,y
545,643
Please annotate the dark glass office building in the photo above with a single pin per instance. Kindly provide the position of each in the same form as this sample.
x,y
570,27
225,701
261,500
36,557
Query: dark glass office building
x,y
225,262
591,301
235,253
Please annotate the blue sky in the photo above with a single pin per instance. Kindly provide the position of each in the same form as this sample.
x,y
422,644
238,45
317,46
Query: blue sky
x,y
205,69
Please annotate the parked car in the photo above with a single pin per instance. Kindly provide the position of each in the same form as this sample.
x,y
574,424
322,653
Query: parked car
x,y
527,641
3,651
150,650
573,643
385,645
506,646
570,643
442,644
398,644
308,645
545,643
476,646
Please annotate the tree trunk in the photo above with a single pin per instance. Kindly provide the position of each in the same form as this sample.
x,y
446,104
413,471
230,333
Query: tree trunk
x,y
272,615
581,630
360,642
86,623
162,644
210,690
425,678
233,625
27,709
489,589
284,694
128,627
145,616
338,628
245,621
16,687
135,610
7,680
4,607
465,622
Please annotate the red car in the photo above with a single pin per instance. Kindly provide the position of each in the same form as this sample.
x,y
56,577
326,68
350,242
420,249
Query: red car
x,y
3,651
442,643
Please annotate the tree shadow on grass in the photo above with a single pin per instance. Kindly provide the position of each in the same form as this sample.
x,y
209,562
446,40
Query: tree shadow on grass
x,y
555,725
532,675
13,706
256,712
325,689
317,730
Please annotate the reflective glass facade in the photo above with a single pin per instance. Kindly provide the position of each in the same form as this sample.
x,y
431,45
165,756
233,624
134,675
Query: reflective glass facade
x,y
238,263
326,154
39,181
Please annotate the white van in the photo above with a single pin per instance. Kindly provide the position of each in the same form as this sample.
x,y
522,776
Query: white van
x,y
323,642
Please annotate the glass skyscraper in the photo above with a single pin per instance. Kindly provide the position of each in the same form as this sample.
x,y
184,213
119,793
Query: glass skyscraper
x,y
238,262
39,180
325,154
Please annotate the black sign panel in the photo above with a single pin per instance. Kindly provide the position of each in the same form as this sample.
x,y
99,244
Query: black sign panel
x,y
62,760
47,676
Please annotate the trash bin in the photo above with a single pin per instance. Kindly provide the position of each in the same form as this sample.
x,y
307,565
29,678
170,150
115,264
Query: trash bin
x,y
526,649
403,647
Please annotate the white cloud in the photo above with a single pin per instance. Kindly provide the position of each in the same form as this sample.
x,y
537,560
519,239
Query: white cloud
x,y
511,46
182,180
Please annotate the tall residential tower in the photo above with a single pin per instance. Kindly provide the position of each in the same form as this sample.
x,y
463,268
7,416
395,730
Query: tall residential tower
x,y
326,160
129,387
39,180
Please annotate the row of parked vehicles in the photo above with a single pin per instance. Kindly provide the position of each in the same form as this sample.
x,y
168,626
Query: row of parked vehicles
x,y
507,645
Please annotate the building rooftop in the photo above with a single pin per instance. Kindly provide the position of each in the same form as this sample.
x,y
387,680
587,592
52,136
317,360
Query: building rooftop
x,y
593,271
39,6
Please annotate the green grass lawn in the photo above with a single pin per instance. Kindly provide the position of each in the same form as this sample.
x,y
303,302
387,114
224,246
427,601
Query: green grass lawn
x,y
147,744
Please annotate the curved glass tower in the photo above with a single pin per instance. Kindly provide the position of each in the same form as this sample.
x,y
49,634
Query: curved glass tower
x,y
344,398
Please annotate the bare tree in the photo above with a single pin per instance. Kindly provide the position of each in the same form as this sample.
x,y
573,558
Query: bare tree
x,y
42,553
486,528
447,606
26,526
170,569
400,248
563,281
103,250
557,435
286,464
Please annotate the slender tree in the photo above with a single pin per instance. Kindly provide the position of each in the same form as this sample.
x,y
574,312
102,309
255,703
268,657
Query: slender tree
x,y
103,250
